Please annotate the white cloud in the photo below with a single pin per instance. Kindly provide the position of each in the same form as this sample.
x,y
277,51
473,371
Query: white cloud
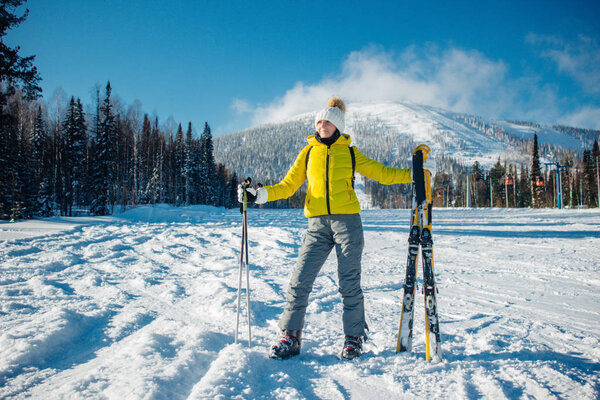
x,y
241,106
454,79
579,59
587,117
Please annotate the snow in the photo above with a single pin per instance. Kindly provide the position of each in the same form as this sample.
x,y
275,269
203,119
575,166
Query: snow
x,y
142,305
545,135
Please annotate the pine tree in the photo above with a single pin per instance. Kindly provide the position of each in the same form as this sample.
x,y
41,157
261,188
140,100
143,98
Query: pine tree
x,y
169,166
189,167
161,143
14,69
480,191
103,172
15,161
146,160
69,157
41,167
157,189
38,144
589,178
179,167
4,164
22,194
80,156
596,168
497,173
208,169
536,173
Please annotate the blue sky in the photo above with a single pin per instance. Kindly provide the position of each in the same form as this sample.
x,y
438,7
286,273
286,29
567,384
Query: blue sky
x,y
239,63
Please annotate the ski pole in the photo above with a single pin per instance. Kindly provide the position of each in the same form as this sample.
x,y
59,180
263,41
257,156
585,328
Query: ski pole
x,y
244,252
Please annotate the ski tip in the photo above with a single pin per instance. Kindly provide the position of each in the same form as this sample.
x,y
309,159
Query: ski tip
x,y
424,149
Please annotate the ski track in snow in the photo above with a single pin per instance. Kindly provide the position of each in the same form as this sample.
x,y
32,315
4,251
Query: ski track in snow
x,y
143,305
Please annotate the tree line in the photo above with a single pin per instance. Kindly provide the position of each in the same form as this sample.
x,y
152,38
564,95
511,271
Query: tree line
x,y
81,164
532,185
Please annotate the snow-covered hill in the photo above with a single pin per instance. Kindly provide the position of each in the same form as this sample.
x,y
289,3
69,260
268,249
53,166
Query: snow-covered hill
x,y
388,133
142,305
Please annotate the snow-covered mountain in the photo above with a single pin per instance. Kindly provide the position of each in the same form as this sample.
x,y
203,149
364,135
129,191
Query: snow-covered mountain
x,y
389,131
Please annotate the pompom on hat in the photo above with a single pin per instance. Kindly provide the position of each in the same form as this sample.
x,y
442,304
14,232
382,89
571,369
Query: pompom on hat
x,y
334,113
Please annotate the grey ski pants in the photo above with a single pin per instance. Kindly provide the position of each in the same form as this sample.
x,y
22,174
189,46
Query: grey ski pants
x,y
345,233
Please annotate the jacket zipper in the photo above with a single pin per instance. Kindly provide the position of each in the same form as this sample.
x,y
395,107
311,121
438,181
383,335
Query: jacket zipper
x,y
327,182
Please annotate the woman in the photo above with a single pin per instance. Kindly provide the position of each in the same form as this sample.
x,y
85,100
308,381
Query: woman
x,y
331,206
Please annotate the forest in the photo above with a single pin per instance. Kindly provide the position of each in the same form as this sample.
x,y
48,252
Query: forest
x,y
69,162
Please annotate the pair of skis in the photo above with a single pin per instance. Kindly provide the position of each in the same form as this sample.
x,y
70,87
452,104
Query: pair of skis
x,y
420,236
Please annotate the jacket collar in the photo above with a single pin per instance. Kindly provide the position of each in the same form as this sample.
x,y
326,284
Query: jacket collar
x,y
343,140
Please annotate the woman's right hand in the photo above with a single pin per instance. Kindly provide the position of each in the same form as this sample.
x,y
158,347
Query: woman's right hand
x,y
258,196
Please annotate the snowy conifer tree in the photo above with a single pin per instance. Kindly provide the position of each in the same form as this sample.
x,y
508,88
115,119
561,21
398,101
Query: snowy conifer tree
x,y
189,167
103,167
589,179
75,149
179,167
208,170
41,167
537,191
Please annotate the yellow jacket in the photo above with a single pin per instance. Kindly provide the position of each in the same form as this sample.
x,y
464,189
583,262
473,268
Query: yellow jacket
x,y
329,174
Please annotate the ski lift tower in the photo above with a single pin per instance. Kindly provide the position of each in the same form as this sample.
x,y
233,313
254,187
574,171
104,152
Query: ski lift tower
x,y
445,182
558,189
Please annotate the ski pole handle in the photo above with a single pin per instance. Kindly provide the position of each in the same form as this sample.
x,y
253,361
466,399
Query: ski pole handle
x,y
244,203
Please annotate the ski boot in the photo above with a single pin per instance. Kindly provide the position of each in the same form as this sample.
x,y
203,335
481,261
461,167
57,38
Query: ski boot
x,y
352,347
288,346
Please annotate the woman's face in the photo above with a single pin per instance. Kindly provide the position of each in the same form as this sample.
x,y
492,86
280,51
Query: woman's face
x,y
326,129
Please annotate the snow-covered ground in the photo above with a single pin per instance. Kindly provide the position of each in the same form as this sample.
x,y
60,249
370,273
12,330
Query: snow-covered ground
x,y
546,135
143,305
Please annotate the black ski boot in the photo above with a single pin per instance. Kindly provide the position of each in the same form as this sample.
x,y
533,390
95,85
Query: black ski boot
x,y
352,347
288,346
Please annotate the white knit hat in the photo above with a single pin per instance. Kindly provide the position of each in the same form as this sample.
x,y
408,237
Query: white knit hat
x,y
334,114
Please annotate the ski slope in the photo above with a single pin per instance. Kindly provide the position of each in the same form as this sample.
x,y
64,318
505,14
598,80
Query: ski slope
x,y
436,127
142,305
